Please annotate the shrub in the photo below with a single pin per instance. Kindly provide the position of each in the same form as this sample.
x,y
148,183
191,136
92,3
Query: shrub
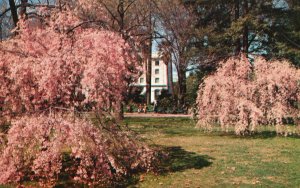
x,y
166,102
45,149
246,95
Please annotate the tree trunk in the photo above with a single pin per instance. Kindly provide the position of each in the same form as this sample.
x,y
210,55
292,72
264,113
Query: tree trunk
x,y
23,8
246,30
119,114
181,86
149,63
148,74
121,14
170,77
14,12
1,31
236,17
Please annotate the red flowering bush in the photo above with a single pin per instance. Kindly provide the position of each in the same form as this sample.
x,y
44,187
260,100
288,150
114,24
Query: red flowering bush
x,y
55,64
60,63
246,95
43,149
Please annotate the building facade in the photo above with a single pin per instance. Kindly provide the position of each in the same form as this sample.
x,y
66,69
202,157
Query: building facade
x,y
161,77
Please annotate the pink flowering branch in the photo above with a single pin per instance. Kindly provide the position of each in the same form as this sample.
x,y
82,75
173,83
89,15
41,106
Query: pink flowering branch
x,y
246,96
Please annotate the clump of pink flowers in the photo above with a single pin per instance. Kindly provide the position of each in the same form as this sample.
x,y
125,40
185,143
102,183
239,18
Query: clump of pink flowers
x,y
44,148
245,95
55,63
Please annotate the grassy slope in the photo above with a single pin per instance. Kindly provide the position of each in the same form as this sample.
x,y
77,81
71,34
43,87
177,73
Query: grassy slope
x,y
199,159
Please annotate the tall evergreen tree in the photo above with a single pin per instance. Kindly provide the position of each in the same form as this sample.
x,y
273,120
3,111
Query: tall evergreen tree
x,y
288,33
228,27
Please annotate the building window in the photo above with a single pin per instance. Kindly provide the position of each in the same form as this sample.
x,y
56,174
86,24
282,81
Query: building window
x,y
156,80
157,63
156,71
141,80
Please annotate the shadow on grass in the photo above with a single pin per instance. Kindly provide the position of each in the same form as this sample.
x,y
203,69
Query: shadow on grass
x,y
270,134
68,184
179,160
259,134
255,135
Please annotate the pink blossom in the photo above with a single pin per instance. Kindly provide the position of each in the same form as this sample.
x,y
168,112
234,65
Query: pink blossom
x,y
56,66
244,96
37,148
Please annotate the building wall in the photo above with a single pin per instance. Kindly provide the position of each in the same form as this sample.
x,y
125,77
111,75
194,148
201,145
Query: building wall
x,y
159,77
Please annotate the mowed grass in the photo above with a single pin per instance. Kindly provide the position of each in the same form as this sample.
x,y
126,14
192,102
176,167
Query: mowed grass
x,y
199,159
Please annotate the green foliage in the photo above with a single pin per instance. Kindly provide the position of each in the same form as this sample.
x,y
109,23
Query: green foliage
x,y
226,27
288,43
192,85
134,95
166,102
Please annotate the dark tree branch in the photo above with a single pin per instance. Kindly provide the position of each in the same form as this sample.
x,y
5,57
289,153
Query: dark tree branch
x,y
27,5
252,40
102,23
20,53
290,40
14,12
129,5
109,11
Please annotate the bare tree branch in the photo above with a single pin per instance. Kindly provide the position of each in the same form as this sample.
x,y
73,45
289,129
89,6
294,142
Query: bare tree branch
x,y
101,22
27,5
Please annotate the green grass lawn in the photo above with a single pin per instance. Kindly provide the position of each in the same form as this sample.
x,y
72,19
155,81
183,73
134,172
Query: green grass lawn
x,y
199,159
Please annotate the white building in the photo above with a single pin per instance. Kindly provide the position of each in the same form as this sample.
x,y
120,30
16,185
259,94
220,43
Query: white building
x,y
161,77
